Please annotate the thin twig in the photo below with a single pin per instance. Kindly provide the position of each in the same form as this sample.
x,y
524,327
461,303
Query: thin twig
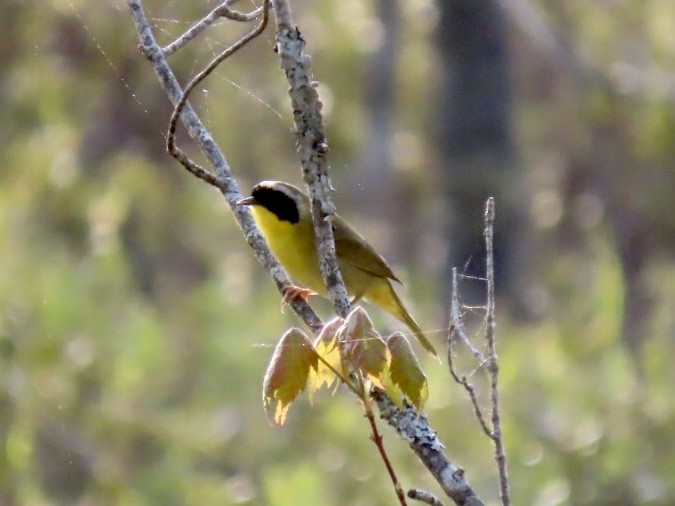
x,y
222,11
377,439
171,147
456,334
472,395
424,496
493,364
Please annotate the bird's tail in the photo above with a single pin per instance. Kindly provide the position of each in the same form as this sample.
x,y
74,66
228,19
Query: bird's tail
x,y
405,317
387,298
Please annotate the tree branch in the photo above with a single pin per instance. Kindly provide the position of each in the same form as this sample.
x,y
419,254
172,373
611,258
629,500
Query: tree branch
x,y
414,428
222,11
223,175
312,148
424,496
493,363
171,147
490,360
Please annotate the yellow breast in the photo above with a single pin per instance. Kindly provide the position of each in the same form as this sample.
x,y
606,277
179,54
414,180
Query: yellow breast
x,y
293,245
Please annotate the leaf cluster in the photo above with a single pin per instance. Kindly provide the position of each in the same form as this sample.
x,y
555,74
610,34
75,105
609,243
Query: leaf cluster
x,y
347,351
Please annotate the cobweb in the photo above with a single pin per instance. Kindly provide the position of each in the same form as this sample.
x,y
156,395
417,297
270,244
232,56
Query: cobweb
x,y
167,29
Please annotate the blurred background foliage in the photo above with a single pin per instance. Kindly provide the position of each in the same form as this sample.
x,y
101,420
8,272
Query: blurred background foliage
x,y
135,325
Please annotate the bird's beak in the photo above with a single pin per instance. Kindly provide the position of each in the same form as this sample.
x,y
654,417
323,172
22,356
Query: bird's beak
x,y
248,201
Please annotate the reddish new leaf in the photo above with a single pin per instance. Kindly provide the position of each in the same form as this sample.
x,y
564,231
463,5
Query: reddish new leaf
x,y
405,372
362,347
287,374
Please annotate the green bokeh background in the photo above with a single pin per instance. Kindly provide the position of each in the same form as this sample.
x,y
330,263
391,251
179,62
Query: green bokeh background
x,y
135,325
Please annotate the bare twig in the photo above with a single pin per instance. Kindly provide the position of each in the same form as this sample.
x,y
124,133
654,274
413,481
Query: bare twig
x,y
222,11
457,334
414,428
493,363
471,391
424,496
223,176
171,147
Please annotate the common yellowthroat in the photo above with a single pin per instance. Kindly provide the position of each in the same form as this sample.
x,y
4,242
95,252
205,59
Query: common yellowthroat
x,y
283,214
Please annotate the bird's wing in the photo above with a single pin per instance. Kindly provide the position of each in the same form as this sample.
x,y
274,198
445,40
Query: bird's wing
x,y
351,247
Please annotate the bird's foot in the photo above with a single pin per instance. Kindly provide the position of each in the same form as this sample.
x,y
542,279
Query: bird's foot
x,y
293,292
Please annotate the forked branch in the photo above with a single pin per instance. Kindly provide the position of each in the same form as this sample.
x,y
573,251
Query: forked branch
x,y
222,176
222,11
457,335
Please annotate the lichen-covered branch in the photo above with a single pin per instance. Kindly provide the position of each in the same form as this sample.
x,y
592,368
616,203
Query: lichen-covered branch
x,y
415,429
312,148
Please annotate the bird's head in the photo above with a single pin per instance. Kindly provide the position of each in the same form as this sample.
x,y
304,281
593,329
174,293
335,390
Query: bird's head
x,y
283,200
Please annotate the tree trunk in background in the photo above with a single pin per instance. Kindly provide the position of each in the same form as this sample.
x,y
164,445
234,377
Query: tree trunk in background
x,y
8,481
474,135
377,177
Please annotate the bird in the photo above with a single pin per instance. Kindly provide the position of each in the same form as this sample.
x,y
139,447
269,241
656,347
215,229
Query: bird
x,y
282,212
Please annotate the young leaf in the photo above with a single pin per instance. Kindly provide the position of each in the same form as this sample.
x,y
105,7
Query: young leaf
x,y
362,347
326,346
287,374
404,370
